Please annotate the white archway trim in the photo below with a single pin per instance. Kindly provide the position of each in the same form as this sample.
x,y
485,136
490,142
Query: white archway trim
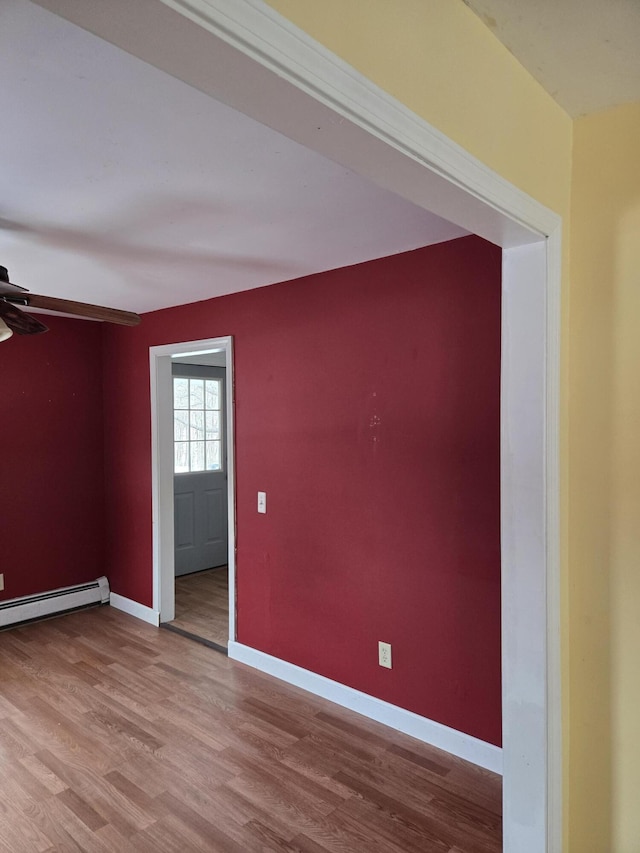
x,y
257,31
245,54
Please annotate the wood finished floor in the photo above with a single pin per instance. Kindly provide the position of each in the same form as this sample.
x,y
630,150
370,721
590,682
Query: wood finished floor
x,y
118,736
202,605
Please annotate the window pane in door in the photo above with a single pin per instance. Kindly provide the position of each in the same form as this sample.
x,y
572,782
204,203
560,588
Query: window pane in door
x,y
181,457
181,426
180,393
197,455
196,387
213,456
197,426
213,393
213,425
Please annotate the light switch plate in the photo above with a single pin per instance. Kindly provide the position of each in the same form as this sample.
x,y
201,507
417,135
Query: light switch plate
x,y
262,502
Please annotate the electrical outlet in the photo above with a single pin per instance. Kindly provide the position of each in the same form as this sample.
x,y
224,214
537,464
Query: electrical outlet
x,y
384,654
1,582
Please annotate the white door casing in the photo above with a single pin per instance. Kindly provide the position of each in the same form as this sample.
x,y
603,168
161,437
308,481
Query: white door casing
x,y
160,365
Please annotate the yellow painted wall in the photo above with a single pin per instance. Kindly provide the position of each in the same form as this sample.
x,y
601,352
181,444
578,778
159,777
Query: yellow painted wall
x,y
439,59
604,399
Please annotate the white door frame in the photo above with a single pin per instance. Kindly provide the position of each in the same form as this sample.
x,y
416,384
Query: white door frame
x,y
245,54
162,471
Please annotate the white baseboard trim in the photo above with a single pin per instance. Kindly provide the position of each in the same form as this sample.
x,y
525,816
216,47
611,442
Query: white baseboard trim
x,y
134,608
457,743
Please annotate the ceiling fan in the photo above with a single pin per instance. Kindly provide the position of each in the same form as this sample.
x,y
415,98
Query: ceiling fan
x,y
13,319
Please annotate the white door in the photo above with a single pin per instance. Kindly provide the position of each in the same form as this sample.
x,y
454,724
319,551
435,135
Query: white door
x,y
199,460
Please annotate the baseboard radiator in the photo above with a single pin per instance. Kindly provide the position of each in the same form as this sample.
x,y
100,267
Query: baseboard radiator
x,y
43,604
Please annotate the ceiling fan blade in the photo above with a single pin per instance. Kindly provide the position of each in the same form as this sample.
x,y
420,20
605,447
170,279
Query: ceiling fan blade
x,y
19,322
7,286
10,289
81,309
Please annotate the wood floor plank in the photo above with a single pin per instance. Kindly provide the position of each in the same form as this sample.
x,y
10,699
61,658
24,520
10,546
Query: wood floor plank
x,y
19,833
390,830
118,736
414,825
81,809
114,842
43,774
420,760
202,605
210,833
60,826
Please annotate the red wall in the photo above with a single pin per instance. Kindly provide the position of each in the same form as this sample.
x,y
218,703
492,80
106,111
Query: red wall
x,y
51,475
367,407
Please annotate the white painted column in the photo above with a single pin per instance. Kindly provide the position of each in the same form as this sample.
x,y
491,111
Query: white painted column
x,y
527,435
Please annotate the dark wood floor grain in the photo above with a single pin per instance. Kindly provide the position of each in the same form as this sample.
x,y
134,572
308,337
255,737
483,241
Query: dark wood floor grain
x,y
202,605
117,736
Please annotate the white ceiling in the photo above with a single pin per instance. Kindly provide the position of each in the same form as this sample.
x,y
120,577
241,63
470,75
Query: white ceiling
x,y
121,185
586,53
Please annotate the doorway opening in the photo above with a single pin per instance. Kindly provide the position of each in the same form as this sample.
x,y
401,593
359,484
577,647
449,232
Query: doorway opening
x,y
193,452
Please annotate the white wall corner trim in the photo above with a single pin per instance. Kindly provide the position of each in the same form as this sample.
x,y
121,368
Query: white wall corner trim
x,y
428,731
134,608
